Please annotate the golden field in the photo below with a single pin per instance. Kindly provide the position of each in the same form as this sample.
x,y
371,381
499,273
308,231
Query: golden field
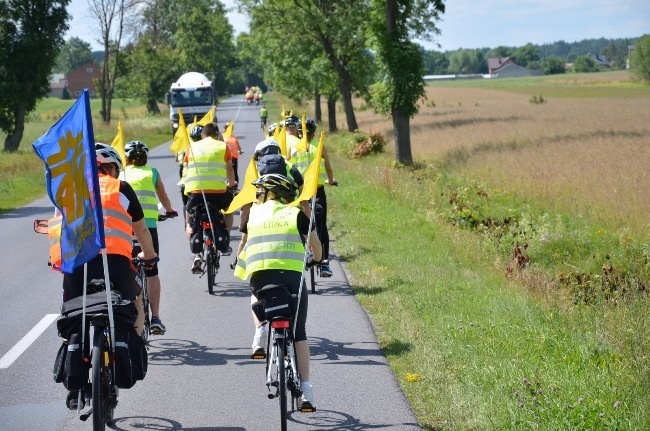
x,y
585,150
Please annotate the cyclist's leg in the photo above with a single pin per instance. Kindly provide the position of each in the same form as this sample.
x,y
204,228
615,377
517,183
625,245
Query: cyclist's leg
x,y
321,226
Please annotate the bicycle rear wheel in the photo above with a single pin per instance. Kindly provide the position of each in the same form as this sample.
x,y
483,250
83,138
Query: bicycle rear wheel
x,y
99,394
211,267
282,380
312,275
146,305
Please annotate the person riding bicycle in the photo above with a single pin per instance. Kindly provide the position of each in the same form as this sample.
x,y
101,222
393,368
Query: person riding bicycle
x,y
235,150
301,157
274,254
264,115
123,217
208,178
147,185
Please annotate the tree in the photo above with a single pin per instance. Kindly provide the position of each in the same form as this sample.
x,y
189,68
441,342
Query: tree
x,y
435,63
553,66
394,24
527,54
466,61
585,64
640,59
27,28
74,53
500,52
111,16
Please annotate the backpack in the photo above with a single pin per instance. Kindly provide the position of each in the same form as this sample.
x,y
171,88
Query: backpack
x,y
272,164
131,358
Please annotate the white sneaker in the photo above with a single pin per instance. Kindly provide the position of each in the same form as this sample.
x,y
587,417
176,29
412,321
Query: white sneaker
x,y
307,398
259,340
196,264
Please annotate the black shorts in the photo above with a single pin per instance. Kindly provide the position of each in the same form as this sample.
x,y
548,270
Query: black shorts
x,y
220,200
120,271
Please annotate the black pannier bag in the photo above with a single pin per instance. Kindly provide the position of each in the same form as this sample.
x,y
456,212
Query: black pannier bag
x,y
131,359
274,301
75,370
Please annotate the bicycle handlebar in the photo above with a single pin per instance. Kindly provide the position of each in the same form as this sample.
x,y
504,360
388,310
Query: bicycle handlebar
x,y
171,214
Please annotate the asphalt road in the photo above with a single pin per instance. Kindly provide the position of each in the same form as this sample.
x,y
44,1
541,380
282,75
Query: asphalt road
x,y
200,376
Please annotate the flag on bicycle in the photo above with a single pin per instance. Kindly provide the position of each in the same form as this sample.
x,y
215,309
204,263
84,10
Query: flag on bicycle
x,y
118,143
311,174
181,140
207,118
68,151
228,132
247,193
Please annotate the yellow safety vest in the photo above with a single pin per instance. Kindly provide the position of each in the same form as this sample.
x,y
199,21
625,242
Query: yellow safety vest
x,y
273,240
301,160
206,166
141,179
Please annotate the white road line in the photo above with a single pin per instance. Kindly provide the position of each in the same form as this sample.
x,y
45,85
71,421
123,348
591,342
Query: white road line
x,y
27,340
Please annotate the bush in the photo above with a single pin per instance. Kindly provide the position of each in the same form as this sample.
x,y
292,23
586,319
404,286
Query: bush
x,y
366,143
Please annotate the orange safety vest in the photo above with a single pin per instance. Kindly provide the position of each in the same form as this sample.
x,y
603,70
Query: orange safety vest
x,y
232,147
117,221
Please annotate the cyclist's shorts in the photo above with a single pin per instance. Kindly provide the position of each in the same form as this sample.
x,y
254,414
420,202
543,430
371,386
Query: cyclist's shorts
x,y
221,200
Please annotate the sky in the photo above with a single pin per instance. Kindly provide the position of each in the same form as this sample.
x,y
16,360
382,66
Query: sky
x,y
484,23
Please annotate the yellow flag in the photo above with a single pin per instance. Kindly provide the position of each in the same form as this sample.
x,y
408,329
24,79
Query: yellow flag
x,y
181,139
207,118
228,132
247,193
311,175
303,144
118,143
282,141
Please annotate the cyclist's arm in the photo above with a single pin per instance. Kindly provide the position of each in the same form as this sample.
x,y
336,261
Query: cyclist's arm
x,y
314,242
328,167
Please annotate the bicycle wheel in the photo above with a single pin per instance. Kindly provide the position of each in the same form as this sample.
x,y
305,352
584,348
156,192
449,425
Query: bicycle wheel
x,y
98,389
210,267
146,305
282,380
312,275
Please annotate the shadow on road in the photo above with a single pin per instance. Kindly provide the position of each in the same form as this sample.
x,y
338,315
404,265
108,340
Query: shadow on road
x,y
328,420
184,352
161,424
324,349
25,212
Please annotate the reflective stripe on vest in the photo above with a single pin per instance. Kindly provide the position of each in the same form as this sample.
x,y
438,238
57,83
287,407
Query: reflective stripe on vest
x,y
54,237
117,221
141,179
273,240
301,160
206,167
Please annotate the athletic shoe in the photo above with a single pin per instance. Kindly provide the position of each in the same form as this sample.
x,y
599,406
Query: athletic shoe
x,y
72,400
307,398
325,271
196,264
259,342
157,327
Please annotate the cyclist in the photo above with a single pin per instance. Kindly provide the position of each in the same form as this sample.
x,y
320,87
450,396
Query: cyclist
x,y
264,115
301,158
274,255
235,151
291,123
123,216
147,185
208,177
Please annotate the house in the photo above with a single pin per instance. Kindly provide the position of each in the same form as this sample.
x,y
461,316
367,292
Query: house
x,y
58,84
505,67
600,60
82,77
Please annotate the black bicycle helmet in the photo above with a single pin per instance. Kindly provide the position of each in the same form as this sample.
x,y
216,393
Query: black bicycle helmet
x,y
136,150
279,184
311,126
291,121
107,154
195,133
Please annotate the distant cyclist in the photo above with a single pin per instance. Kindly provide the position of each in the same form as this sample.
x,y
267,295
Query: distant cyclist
x,y
149,188
264,115
274,254
235,151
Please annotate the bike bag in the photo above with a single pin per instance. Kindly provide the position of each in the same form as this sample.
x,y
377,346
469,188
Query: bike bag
x,y
131,359
74,370
276,302
221,237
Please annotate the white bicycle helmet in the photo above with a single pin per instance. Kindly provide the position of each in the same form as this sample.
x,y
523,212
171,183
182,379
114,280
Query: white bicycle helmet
x,y
267,146
107,154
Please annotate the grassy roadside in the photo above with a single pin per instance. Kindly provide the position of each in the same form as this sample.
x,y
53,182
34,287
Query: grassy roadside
x,y
476,346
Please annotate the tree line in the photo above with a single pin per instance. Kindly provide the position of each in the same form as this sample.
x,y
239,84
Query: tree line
x,y
550,58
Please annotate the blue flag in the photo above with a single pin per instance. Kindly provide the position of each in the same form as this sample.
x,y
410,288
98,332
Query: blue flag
x,y
68,150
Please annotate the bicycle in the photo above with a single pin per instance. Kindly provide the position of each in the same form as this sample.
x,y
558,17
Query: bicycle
x,y
141,279
215,239
275,305
315,270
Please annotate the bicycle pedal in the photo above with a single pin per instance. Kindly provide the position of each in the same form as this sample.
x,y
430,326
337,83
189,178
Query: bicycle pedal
x,y
306,408
258,354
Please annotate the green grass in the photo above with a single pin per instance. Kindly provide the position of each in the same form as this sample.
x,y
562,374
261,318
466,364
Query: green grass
x,y
472,348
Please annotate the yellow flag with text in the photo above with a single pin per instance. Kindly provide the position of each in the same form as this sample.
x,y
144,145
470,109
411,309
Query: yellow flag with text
x,y
118,143
207,118
181,140
247,193
282,141
311,175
